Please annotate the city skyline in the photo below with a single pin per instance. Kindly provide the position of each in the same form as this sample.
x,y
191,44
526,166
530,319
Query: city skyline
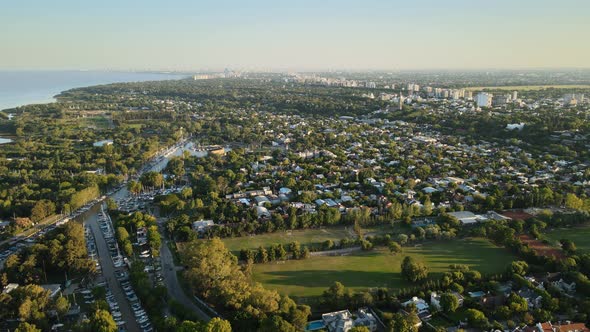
x,y
263,35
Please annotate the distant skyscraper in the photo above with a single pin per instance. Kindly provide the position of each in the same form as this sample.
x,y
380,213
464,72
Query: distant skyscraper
x,y
401,101
514,95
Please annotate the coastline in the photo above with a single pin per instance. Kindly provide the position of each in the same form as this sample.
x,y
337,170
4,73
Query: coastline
x,y
22,88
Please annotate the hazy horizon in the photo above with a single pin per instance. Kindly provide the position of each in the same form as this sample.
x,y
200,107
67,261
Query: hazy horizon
x,y
263,35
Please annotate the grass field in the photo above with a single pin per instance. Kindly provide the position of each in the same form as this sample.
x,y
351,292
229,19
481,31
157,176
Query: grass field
x,y
364,270
579,235
309,237
530,87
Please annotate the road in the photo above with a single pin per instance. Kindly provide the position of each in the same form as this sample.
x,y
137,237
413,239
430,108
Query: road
x,y
171,282
108,271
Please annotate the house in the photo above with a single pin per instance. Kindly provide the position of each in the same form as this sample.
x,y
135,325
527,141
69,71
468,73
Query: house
x,y
435,299
564,286
54,289
338,321
262,212
532,298
422,308
261,200
201,226
4,225
343,321
567,327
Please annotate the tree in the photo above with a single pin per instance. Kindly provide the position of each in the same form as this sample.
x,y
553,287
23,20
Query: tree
x,y
476,318
218,325
276,323
518,267
394,247
573,202
402,323
568,246
62,305
413,271
359,329
42,209
449,302
26,327
102,321
335,294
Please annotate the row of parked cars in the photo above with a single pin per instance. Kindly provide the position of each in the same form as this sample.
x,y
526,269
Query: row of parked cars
x,y
140,315
87,293
122,275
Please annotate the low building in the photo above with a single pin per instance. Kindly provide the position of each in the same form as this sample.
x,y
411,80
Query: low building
x,y
465,217
343,321
54,289
422,308
201,226
338,321
559,327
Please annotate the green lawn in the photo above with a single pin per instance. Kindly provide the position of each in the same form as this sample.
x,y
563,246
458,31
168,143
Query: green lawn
x,y
579,235
364,270
309,237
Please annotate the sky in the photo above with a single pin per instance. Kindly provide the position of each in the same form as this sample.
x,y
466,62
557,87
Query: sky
x,y
195,35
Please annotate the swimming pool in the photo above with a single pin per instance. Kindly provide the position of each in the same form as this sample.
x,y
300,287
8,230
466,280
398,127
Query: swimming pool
x,y
315,325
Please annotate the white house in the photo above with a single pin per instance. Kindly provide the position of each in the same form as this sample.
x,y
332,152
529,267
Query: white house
x,y
422,308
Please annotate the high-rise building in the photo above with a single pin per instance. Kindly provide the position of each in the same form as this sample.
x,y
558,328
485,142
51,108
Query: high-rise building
x,y
401,101
484,99
514,95
468,95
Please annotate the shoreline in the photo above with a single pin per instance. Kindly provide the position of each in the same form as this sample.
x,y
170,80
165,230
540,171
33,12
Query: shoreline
x,y
30,87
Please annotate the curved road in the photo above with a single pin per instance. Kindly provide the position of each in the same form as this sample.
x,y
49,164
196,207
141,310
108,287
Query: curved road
x,y
171,282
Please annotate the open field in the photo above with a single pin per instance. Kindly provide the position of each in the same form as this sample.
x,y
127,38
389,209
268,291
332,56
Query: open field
x,y
364,270
580,236
529,87
541,248
308,237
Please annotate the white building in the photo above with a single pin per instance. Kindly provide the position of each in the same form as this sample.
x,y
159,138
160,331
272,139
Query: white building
x,y
343,321
484,99
202,225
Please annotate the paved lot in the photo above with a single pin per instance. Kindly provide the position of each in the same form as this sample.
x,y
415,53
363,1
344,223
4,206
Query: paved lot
x,y
108,270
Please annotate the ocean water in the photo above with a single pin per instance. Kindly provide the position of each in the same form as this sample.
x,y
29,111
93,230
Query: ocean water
x,y
19,88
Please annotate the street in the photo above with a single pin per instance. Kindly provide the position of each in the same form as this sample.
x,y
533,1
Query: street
x,y
171,282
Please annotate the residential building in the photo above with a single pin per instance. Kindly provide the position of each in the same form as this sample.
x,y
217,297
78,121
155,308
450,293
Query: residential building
x,y
484,99
343,321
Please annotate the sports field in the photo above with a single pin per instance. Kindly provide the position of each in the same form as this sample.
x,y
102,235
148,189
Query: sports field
x,y
580,236
364,270
309,237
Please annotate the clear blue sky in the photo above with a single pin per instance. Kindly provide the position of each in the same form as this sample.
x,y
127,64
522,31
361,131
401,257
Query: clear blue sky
x,y
295,34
